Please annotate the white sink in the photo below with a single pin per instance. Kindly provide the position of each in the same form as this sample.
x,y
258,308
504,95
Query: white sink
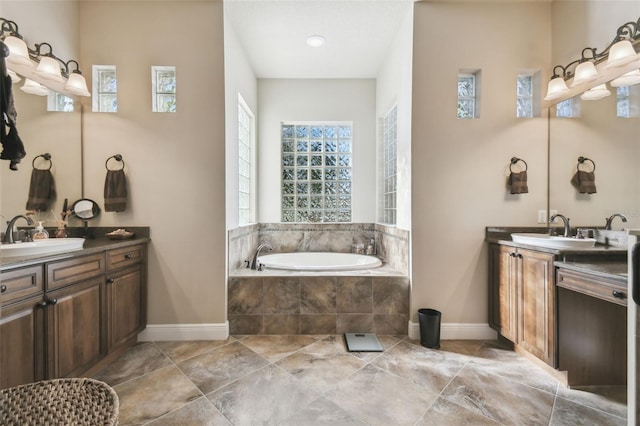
x,y
544,240
48,246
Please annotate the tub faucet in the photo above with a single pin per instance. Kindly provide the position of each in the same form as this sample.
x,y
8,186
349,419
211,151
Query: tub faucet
x,y
607,226
8,234
254,261
567,226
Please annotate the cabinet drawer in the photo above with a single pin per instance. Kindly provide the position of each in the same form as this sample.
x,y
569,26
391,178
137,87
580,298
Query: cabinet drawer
x,y
60,274
20,283
592,285
120,258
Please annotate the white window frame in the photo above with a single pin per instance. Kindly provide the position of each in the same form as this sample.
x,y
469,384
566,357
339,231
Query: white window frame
x,y
246,156
96,88
155,94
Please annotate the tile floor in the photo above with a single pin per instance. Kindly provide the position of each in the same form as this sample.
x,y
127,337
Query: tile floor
x,y
314,380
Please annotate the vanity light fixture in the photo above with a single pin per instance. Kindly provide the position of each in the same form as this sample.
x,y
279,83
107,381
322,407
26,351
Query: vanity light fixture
x,y
316,41
42,70
596,93
34,88
621,53
15,78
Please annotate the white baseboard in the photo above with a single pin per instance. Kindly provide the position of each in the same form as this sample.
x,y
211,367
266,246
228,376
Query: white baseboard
x,y
179,332
457,331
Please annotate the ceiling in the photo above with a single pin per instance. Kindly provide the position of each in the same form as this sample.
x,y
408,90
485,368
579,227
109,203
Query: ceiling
x,y
358,34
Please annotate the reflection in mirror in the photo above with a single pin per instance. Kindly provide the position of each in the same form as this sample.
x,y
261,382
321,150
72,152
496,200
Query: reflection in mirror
x,y
612,142
57,133
85,209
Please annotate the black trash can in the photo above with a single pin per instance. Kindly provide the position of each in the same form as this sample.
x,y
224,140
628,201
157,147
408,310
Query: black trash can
x,y
429,328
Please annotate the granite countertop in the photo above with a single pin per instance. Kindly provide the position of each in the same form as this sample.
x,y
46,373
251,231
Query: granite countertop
x,y
502,235
601,260
616,270
91,245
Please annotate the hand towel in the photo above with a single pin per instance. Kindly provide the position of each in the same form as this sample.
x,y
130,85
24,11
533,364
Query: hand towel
x,y
115,191
585,182
42,190
518,182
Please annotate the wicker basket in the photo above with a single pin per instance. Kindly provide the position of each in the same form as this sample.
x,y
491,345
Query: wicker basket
x,y
77,401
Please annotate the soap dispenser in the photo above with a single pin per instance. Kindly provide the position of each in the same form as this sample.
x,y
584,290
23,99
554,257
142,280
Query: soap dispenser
x,y
40,233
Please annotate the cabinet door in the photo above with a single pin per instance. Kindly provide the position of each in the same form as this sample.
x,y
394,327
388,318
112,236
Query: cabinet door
x,y
125,290
22,343
73,328
502,290
536,332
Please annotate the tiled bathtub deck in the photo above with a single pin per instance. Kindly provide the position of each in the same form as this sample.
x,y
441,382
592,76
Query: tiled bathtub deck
x,y
313,380
264,303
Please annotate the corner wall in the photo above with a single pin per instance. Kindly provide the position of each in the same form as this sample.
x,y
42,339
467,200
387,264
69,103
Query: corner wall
x,y
175,162
458,166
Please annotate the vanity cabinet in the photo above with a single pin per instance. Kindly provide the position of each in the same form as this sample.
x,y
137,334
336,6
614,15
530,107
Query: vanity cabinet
x,y
126,287
522,299
22,326
61,318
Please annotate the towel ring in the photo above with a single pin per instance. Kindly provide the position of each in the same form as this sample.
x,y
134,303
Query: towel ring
x,y
46,156
582,159
514,160
116,157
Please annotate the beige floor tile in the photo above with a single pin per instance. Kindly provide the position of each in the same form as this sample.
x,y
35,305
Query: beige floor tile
x,y
570,413
381,398
200,412
137,361
180,351
274,348
446,413
148,397
610,399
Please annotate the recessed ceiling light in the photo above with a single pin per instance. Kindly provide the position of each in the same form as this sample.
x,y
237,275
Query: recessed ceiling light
x,y
315,41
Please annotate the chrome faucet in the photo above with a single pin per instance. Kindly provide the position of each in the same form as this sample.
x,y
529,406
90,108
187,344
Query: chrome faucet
x,y
8,234
607,226
567,226
254,261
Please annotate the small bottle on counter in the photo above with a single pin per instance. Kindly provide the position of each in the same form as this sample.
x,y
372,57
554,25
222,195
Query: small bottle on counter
x,y
371,248
40,233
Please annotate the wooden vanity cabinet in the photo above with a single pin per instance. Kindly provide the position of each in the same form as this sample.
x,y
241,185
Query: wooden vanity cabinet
x,y
22,326
61,318
522,299
126,290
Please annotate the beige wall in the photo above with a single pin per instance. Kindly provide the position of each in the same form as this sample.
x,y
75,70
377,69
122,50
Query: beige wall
x,y
458,166
175,162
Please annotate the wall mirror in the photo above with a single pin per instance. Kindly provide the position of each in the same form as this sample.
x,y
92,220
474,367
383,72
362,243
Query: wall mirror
x,y
612,142
57,133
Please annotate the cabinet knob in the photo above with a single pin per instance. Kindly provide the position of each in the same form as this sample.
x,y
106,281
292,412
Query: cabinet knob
x,y
42,304
51,301
110,280
128,256
619,294
3,288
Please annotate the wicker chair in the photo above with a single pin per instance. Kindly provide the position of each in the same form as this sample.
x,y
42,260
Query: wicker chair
x,y
76,401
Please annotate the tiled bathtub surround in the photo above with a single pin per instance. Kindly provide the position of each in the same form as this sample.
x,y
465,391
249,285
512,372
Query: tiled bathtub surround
x,y
318,304
392,245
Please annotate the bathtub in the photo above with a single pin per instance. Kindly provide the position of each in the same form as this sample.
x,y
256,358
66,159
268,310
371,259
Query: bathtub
x,y
319,261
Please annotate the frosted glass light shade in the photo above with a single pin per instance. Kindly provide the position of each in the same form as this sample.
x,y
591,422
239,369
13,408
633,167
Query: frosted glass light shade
x,y
77,85
49,69
621,54
595,93
18,52
34,88
556,88
628,79
15,78
585,73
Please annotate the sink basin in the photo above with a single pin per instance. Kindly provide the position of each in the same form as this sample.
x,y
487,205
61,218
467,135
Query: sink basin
x,y
544,240
48,246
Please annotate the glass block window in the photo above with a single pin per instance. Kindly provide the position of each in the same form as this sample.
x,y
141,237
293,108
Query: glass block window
x,y
163,88
389,156
246,150
568,108
316,172
524,93
105,89
623,109
59,102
